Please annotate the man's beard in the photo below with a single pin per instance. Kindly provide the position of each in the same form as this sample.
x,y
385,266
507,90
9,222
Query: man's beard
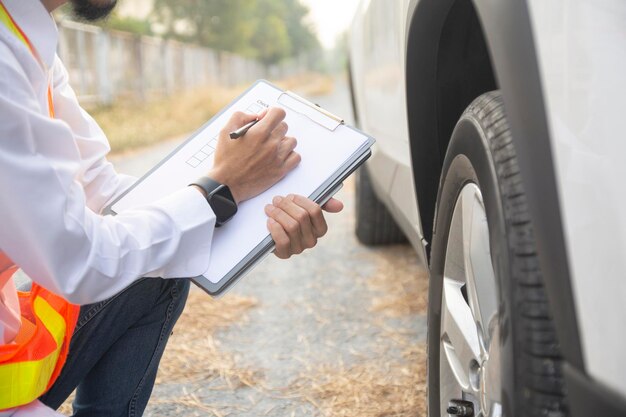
x,y
92,9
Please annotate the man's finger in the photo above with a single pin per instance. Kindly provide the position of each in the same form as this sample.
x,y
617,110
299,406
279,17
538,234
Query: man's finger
x,y
286,146
333,206
261,114
301,215
315,214
272,119
292,161
281,240
239,119
290,225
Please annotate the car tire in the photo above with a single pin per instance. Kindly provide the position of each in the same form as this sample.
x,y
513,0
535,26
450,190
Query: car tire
x,y
504,358
374,224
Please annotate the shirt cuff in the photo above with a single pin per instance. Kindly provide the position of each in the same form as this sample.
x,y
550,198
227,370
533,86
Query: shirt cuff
x,y
195,220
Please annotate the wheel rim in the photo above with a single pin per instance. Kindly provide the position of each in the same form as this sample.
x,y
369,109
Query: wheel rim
x,y
469,347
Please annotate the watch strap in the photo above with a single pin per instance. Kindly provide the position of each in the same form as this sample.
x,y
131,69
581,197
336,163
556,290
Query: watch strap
x,y
219,198
207,184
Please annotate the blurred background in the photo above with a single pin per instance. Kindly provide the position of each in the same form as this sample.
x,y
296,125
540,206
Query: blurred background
x,y
152,56
337,331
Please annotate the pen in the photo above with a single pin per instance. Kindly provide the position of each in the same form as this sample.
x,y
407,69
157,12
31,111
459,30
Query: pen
x,y
236,134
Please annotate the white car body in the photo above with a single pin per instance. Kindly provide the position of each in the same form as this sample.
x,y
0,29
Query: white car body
x,y
580,53
582,56
384,109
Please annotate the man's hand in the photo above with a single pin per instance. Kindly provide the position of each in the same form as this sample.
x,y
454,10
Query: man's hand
x,y
259,159
295,223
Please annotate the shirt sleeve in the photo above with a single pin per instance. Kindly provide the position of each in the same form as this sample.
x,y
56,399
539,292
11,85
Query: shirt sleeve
x,y
48,228
102,184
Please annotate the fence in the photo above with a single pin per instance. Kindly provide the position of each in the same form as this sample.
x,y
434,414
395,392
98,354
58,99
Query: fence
x,y
105,64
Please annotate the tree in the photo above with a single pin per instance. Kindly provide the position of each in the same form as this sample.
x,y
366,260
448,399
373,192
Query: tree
x,y
271,41
300,33
268,30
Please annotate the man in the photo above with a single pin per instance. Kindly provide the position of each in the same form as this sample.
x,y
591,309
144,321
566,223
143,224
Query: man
x,y
55,180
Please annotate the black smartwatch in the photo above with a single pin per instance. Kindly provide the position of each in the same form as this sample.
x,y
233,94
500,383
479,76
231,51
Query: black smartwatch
x,y
219,198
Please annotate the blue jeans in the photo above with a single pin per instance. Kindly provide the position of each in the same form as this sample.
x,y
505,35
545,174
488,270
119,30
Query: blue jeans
x,y
116,349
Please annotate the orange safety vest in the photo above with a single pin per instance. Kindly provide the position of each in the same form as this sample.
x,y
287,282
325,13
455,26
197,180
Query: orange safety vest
x,y
31,363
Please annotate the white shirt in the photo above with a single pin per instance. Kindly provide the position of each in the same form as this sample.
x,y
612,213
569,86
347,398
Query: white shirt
x,y
55,180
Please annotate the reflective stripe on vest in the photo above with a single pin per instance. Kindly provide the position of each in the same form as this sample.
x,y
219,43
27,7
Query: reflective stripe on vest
x,y
32,362
21,382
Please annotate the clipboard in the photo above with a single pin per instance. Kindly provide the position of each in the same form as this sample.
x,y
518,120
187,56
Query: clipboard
x,y
315,127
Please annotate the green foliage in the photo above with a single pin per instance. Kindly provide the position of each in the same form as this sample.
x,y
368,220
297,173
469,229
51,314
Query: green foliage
x,y
127,24
268,30
271,41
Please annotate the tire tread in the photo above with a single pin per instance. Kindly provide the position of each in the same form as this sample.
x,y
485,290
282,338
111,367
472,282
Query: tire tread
x,y
538,367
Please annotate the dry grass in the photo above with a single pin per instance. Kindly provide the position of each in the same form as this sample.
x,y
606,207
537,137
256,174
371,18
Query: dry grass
x,y
131,124
194,354
369,389
401,290
66,407
383,386
308,84
190,401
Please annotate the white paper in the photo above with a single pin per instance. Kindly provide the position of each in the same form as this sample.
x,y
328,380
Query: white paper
x,y
323,151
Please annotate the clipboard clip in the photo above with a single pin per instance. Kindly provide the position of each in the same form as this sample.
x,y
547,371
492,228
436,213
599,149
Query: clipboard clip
x,y
310,110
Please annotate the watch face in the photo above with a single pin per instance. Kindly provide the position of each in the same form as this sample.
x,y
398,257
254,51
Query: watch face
x,y
223,204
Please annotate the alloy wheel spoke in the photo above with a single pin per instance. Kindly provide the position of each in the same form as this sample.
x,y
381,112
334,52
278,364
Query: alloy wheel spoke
x,y
469,349
458,333
449,386
479,274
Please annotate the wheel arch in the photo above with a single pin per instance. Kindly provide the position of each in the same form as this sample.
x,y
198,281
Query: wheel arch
x,y
493,49
447,67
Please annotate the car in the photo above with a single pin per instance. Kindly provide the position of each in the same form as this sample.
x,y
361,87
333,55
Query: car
x,y
500,158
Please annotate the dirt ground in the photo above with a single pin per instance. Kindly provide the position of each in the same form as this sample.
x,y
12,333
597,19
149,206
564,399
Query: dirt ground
x,y
337,331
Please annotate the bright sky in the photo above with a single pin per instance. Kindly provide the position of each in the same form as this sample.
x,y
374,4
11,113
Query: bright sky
x,y
331,18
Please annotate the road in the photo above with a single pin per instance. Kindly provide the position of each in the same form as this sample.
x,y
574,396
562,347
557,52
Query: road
x,y
338,330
